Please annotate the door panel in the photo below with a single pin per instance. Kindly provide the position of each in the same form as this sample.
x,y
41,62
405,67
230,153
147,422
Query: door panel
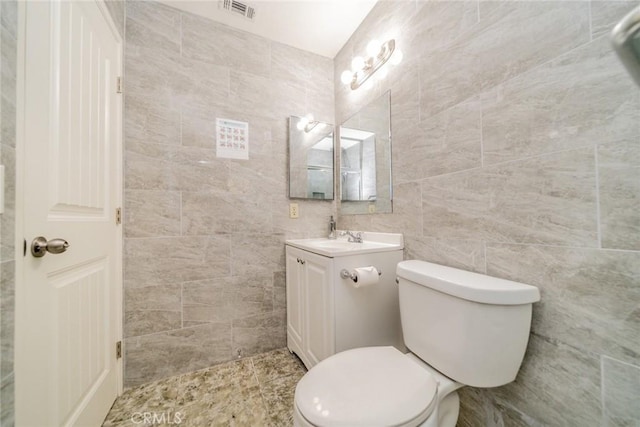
x,y
68,305
294,297
318,340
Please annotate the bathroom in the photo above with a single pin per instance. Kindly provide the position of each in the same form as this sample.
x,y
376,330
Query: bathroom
x,y
515,153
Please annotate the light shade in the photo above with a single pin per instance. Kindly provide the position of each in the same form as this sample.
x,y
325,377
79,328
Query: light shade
x,y
357,64
373,48
346,77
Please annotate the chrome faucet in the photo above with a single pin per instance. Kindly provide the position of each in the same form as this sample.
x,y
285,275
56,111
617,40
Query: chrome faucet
x,y
353,238
332,228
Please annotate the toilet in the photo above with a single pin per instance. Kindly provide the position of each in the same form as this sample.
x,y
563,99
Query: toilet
x,y
461,329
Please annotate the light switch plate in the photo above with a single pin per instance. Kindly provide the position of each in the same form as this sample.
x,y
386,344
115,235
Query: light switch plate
x,y
372,208
293,210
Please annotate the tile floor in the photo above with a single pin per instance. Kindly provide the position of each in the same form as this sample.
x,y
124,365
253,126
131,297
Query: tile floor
x,y
256,391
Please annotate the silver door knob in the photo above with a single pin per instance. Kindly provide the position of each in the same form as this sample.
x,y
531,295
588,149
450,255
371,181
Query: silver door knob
x,y
40,246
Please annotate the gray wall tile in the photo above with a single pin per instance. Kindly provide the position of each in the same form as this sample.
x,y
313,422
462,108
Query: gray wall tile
x,y
549,199
7,318
219,44
581,98
606,14
205,236
557,383
151,357
116,9
557,131
260,333
210,213
620,389
556,27
172,260
619,179
589,297
150,213
463,254
8,78
447,142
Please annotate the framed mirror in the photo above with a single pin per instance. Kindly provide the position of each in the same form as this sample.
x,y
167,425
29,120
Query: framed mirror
x,y
311,170
365,160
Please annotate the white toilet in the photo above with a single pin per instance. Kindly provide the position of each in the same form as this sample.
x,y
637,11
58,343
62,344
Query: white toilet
x,y
461,328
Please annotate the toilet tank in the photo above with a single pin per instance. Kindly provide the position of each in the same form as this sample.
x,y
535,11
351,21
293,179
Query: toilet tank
x,y
471,327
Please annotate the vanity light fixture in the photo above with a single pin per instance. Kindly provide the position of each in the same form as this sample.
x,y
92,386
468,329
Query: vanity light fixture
x,y
307,123
362,69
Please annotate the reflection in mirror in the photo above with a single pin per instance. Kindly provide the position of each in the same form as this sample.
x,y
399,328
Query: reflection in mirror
x,y
310,159
365,160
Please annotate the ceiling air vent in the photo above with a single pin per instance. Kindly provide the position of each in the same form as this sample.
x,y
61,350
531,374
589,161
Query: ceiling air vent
x,y
235,6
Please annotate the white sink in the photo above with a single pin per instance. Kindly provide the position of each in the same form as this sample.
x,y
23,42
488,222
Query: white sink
x,y
372,242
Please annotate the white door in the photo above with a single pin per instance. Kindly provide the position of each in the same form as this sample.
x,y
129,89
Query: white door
x,y
68,305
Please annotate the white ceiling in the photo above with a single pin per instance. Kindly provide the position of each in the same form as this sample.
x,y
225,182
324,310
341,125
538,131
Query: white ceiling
x,y
318,26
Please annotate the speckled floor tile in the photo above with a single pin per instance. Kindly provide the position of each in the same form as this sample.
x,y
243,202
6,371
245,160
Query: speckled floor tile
x,y
278,397
256,391
276,364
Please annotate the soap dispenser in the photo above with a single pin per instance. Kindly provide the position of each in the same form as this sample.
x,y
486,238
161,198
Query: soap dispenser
x,y
332,228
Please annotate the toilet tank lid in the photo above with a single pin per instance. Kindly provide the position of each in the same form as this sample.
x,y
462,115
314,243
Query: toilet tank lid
x,y
467,285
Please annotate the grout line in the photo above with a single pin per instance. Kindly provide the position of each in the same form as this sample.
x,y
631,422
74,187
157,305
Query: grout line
x,y
598,213
181,36
481,132
548,245
520,74
590,21
484,245
602,390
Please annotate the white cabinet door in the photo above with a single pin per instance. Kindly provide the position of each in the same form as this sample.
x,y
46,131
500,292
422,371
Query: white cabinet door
x,y
318,339
294,299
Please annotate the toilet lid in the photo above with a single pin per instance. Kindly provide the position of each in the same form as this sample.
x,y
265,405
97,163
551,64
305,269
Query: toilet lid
x,y
369,386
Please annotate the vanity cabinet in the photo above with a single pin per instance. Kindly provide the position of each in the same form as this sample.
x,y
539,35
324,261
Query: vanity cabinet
x,y
327,314
309,308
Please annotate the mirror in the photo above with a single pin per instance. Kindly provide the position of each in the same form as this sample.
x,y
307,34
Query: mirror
x,y
365,160
310,159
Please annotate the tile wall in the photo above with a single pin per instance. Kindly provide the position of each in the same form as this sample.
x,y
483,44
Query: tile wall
x,y
516,153
8,63
204,237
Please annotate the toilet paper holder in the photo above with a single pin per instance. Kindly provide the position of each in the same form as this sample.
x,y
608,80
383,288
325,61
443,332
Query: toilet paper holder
x,y
346,274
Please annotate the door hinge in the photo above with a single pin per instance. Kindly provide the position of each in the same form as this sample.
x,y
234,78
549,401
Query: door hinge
x,y
119,85
119,350
118,216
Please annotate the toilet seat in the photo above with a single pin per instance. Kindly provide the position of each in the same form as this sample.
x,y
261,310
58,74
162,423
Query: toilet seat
x,y
371,386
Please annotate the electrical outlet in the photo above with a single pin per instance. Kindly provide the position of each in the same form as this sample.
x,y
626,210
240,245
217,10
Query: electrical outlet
x,y
293,210
372,208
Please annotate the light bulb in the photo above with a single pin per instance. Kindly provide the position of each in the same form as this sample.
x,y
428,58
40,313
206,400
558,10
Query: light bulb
x,y
382,73
357,63
396,57
373,48
346,77
304,121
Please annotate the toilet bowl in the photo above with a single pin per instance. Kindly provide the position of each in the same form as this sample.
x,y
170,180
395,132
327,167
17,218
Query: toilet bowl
x,y
462,329
374,386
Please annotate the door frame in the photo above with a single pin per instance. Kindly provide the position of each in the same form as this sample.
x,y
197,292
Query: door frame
x,y
20,244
